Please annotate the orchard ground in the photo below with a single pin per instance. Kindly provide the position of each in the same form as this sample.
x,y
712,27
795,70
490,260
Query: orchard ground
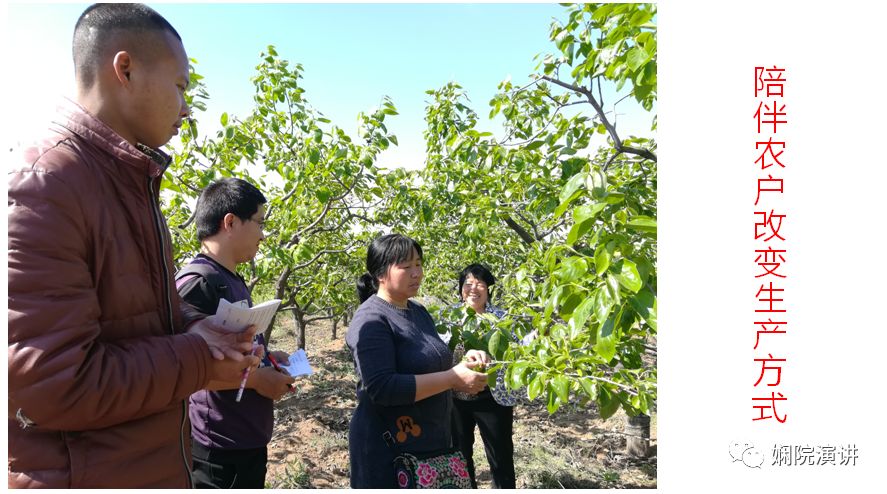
x,y
573,448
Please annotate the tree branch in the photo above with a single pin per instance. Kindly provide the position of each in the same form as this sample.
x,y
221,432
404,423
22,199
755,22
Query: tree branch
x,y
555,227
532,225
620,148
326,209
319,318
342,223
280,283
522,233
316,257
531,139
628,389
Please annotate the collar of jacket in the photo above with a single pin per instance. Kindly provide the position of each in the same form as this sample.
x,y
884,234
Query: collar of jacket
x,y
78,120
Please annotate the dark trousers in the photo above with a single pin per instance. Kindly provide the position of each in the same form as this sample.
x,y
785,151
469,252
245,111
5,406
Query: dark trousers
x,y
228,469
495,423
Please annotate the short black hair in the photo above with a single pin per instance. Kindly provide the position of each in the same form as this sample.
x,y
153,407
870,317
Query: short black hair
x,y
98,25
480,272
383,252
228,195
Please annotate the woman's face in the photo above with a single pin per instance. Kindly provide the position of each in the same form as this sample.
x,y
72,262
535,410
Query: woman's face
x,y
403,279
475,293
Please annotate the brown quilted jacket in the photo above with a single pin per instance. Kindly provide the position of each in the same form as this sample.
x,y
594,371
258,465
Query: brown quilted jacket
x,y
99,370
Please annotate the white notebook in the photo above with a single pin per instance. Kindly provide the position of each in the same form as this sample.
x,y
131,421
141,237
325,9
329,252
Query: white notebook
x,y
237,316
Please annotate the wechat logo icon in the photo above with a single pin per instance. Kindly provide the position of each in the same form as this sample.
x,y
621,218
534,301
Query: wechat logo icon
x,y
745,452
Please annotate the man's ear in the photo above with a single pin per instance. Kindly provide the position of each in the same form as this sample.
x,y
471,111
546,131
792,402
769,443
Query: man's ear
x,y
123,67
228,221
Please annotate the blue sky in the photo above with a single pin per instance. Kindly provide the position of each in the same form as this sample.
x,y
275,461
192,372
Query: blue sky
x,y
353,54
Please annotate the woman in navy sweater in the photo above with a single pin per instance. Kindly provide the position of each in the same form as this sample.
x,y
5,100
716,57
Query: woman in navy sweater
x,y
405,371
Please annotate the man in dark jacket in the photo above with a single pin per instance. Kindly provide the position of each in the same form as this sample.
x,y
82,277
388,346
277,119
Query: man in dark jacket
x,y
102,353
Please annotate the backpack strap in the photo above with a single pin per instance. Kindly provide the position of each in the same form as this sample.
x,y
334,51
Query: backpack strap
x,y
205,271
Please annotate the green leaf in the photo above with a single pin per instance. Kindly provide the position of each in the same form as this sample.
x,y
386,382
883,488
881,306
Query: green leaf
x,y
534,145
645,267
606,340
629,277
534,388
614,198
562,207
498,344
601,12
640,18
636,57
323,194
613,287
596,182
562,387
550,304
553,404
571,300
577,231
589,387
643,223
644,303
602,260
588,211
572,268
302,252
224,119
571,167
608,404
572,186
491,378
580,315
229,132
314,157
603,304
516,373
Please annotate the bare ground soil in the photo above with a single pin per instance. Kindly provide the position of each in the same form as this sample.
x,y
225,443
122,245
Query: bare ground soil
x,y
573,448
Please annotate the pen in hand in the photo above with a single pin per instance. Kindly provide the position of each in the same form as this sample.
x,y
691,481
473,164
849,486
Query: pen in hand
x,y
278,369
245,376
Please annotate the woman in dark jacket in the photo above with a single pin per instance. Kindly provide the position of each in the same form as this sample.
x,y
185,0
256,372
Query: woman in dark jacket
x,y
405,372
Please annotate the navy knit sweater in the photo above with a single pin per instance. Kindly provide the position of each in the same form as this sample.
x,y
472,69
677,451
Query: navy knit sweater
x,y
390,346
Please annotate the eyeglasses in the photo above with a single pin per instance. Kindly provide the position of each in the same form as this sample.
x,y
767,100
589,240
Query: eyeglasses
x,y
260,222
477,286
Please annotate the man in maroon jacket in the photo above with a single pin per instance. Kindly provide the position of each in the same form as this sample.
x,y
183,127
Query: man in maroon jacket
x,y
103,355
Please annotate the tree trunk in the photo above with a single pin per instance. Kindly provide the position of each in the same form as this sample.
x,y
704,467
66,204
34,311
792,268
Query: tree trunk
x,y
299,317
329,313
638,431
267,333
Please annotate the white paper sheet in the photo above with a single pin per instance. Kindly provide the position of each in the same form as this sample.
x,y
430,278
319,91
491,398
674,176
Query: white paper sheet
x,y
298,365
237,316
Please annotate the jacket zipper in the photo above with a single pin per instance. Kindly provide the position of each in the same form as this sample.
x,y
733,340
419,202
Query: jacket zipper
x,y
158,224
